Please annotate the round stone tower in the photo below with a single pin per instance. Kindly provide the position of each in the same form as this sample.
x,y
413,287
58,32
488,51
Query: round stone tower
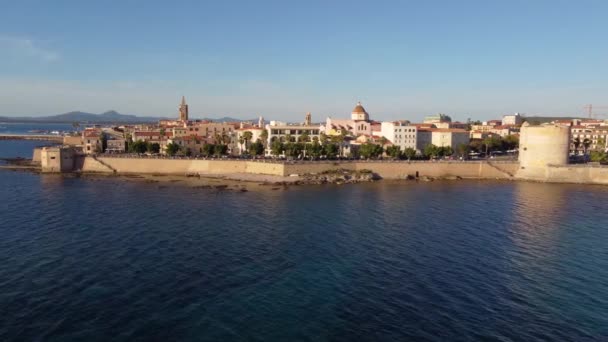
x,y
541,146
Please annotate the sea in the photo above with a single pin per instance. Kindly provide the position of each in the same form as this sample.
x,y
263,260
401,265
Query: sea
x,y
99,259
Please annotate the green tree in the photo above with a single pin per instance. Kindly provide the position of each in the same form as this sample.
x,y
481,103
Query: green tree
x,y
304,137
276,148
172,149
264,137
323,138
316,149
220,149
154,148
370,150
257,148
330,150
138,146
598,156
511,142
431,151
409,153
393,151
586,144
492,143
208,149
445,151
463,150
247,136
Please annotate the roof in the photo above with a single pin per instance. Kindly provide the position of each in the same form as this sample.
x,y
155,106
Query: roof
x,y
449,130
359,108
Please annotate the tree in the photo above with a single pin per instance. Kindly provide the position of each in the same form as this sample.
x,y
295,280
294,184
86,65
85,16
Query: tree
x,y
445,151
586,144
264,137
220,149
257,148
330,150
463,150
241,142
510,142
138,146
409,153
601,144
172,149
276,148
492,143
370,150
394,151
323,138
598,156
247,136
208,149
154,148
431,151
316,149
577,143
304,137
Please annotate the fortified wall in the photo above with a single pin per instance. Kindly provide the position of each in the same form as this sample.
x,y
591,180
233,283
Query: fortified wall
x,y
385,169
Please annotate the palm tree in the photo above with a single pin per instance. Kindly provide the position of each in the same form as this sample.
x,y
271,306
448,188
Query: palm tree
x,y
576,142
241,142
264,137
247,136
586,144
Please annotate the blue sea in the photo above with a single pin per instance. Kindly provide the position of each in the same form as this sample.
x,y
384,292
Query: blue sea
x,y
98,259
30,128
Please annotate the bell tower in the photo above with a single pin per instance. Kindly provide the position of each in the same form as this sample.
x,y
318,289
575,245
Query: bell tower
x,y
183,110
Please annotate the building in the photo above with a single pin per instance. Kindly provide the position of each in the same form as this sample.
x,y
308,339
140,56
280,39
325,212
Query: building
x,y
92,141
597,137
451,137
439,118
406,135
514,120
447,125
280,130
540,147
57,159
183,110
359,123
116,146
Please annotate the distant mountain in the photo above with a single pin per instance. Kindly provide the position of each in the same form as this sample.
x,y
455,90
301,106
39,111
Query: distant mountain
x,y
110,116
77,116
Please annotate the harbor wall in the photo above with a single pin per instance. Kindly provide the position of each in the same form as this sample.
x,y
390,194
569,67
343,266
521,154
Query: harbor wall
x,y
385,169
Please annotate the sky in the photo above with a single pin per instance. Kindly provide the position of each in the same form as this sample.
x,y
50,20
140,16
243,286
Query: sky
x,y
281,59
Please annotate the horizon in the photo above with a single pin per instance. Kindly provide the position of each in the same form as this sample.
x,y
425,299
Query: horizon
x,y
470,59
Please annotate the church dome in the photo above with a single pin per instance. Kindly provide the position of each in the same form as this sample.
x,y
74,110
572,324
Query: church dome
x,y
359,108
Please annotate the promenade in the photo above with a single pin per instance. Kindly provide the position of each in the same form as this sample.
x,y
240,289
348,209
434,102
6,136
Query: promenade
x,y
41,137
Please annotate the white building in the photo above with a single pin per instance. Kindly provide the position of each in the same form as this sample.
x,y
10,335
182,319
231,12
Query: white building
x,y
406,135
514,119
449,137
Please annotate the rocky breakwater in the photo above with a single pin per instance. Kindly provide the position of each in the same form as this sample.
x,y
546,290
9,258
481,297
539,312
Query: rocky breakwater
x,y
339,176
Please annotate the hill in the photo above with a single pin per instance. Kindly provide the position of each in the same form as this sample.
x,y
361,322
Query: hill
x,y
110,116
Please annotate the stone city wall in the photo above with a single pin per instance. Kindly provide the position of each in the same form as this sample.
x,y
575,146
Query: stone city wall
x,y
385,169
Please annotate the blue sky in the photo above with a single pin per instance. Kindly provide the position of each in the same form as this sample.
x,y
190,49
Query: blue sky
x,y
280,59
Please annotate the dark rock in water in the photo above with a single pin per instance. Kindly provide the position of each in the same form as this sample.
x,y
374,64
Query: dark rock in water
x,y
221,186
244,190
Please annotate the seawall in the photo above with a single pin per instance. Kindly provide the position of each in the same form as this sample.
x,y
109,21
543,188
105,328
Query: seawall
x,y
385,169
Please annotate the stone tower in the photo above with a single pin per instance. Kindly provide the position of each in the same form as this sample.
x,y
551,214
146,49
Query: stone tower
x,y
183,110
359,113
308,119
261,122
541,146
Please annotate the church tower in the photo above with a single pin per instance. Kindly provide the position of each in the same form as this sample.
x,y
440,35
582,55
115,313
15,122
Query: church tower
x,y
359,113
308,119
183,110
